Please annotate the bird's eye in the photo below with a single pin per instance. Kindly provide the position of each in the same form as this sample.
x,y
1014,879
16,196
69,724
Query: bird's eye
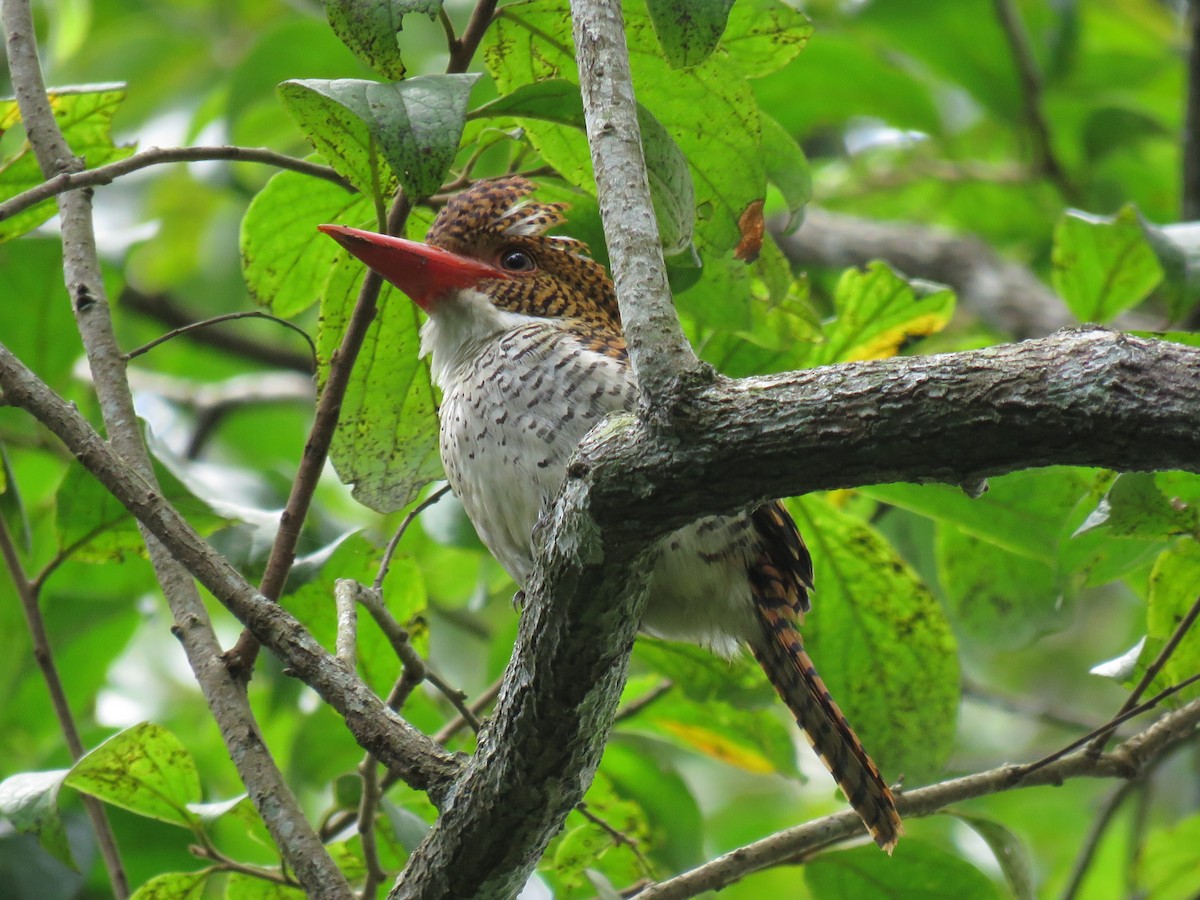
x,y
516,261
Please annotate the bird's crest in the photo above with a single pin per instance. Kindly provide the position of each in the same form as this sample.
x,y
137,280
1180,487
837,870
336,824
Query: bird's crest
x,y
500,214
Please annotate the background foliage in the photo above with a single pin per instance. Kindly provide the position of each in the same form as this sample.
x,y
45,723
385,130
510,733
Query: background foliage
x,y
957,632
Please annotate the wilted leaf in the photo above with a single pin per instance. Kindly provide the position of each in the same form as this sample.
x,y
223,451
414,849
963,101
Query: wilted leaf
x,y
752,226
878,312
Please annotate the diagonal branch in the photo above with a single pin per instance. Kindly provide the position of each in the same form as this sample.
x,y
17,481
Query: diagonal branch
x,y
417,759
291,831
1145,747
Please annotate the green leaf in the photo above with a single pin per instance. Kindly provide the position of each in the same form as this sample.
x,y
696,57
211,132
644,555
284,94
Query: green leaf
x,y
787,169
763,36
916,869
1167,861
144,769
878,312
416,124
385,445
1010,853
704,677
1135,507
85,115
239,886
175,886
371,29
751,740
558,101
285,259
1178,250
340,134
869,605
586,846
688,30
1000,599
1103,265
1174,589
707,110
29,801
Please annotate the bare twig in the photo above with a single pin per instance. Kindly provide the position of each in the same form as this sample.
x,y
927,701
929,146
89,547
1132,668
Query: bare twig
x,y
43,654
294,836
386,562
1126,761
1031,94
636,706
240,657
368,804
161,308
482,702
463,50
1181,630
216,320
1091,842
618,836
1023,772
1025,707
107,174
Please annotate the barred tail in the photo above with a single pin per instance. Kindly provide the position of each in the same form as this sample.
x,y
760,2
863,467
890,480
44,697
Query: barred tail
x,y
789,669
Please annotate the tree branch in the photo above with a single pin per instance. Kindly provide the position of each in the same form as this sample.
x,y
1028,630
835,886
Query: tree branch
x,y
1143,749
658,350
419,761
295,837
1003,294
155,156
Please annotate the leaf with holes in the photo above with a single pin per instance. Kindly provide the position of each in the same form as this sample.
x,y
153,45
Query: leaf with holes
x,y
371,29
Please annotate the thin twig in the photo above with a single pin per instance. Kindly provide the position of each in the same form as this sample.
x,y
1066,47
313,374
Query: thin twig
x,y
636,706
1022,772
240,658
161,308
216,320
1097,828
463,50
386,562
1030,78
1024,707
620,837
1156,741
43,654
106,174
368,804
1153,669
457,724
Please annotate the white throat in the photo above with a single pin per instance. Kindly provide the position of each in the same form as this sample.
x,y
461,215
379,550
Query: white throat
x,y
452,335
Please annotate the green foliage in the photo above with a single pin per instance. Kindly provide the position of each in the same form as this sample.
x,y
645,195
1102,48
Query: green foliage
x,y
910,112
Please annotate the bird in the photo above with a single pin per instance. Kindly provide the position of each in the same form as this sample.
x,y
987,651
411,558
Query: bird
x,y
524,340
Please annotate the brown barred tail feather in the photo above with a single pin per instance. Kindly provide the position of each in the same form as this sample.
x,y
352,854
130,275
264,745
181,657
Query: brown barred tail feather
x,y
791,672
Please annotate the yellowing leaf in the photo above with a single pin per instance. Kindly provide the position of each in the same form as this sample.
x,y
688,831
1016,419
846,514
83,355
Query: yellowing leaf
x,y
719,746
